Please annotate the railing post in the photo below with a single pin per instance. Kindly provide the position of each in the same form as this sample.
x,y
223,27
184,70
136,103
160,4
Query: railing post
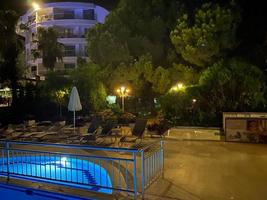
x,y
135,175
7,158
162,157
143,173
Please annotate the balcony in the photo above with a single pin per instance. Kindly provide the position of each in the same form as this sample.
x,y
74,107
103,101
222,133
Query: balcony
x,y
64,16
69,16
58,16
69,51
47,18
70,35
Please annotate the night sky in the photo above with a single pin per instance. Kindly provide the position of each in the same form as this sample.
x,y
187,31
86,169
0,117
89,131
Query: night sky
x,y
23,5
252,32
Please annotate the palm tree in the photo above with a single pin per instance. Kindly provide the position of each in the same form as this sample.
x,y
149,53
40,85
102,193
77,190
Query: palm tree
x,y
49,48
10,47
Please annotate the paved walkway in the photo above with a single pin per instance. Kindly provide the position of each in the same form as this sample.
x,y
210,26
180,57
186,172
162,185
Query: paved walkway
x,y
194,133
212,170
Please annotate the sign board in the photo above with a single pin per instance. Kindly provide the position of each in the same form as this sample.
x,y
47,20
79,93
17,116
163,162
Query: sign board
x,y
111,99
245,127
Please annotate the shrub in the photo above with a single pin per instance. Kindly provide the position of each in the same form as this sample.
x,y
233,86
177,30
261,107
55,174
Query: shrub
x,y
159,127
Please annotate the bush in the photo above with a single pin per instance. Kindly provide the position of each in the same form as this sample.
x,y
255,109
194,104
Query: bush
x,y
107,115
126,118
178,107
115,108
227,86
121,118
159,127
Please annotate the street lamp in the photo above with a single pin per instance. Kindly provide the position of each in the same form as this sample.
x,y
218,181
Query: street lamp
x,y
193,109
123,92
178,87
35,6
60,94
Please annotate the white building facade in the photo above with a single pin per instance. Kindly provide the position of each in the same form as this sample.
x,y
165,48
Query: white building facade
x,y
72,20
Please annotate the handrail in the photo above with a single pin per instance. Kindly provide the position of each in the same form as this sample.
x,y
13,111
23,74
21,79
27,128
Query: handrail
x,y
148,146
133,172
72,146
70,154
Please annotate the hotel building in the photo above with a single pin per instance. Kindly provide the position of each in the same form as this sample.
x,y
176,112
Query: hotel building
x,y
71,20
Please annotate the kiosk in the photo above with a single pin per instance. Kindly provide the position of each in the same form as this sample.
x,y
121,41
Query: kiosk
x,y
245,127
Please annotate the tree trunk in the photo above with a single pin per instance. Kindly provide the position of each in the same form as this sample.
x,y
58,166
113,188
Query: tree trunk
x,y
14,87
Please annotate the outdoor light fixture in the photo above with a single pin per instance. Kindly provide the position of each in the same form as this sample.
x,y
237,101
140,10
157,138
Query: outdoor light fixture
x,y
35,6
123,92
178,87
111,99
194,100
63,161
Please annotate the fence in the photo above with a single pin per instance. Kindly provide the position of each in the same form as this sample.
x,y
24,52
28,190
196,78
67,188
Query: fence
x,y
102,169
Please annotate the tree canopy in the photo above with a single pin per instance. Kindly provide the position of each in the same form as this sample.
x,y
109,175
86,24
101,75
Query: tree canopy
x,y
10,48
133,29
149,49
150,46
232,85
87,78
49,49
211,32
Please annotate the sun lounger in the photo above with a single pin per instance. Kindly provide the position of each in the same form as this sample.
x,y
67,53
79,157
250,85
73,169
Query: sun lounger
x,y
136,133
106,133
91,132
96,135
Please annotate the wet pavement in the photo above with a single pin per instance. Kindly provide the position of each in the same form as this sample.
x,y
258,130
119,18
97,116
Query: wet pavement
x,y
212,170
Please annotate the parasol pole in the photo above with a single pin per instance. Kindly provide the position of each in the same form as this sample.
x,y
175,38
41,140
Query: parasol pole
x,y
74,121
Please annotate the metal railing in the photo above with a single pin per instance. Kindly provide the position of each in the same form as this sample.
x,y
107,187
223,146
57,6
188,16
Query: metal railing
x,y
101,169
49,17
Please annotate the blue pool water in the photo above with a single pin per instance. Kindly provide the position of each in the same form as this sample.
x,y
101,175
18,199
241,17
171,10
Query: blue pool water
x,y
9,192
60,169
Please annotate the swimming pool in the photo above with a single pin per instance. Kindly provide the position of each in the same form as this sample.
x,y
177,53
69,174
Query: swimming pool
x,y
102,169
23,193
59,169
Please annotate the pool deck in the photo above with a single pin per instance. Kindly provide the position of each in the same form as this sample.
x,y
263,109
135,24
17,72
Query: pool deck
x,y
211,170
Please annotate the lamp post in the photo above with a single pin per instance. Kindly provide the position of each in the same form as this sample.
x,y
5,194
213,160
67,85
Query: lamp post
x,y
60,94
193,109
123,92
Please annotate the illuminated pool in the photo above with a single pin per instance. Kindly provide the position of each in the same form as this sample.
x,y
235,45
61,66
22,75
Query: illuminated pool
x,y
59,169
22,193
